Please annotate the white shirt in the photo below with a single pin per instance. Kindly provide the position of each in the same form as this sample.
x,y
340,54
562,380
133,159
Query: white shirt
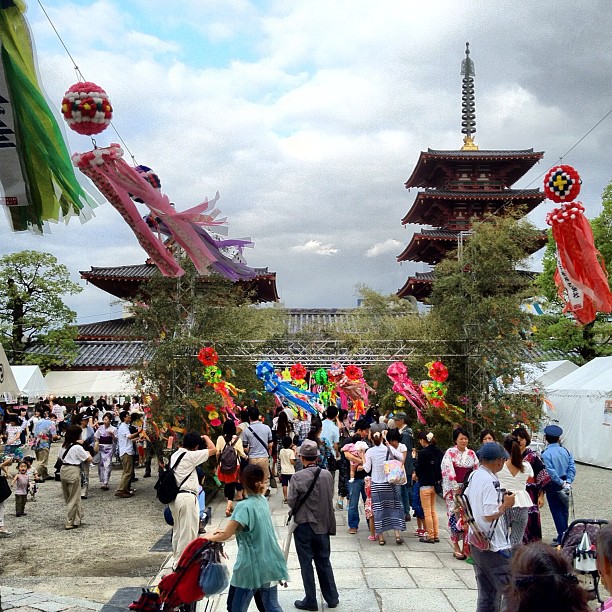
x,y
126,447
187,467
517,484
375,458
285,456
485,497
75,456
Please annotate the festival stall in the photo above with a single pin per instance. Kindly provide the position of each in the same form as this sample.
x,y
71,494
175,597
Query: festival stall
x,y
90,383
9,390
30,381
582,404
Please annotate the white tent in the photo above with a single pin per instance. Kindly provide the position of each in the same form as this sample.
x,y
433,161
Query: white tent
x,y
9,390
94,383
583,407
30,381
540,375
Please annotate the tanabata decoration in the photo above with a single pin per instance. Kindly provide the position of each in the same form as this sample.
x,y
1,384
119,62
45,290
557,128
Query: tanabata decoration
x,y
37,181
403,384
580,276
352,385
119,183
435,390
213,376
87,109
437,371
325,387
284,390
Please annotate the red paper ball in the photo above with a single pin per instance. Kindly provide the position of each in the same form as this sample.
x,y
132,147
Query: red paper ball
x,y
562,184
87,109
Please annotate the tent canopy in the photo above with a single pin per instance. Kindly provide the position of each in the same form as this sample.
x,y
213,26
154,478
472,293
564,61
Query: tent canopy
x,y
90,383
540,375
9,390
583,407
30,381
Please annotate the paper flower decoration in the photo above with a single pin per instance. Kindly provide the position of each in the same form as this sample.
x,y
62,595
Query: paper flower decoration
x,y
208,356
320,377
562,184
215,422
336,370
213,415
87,109
298,371
210,408
353,372
437,371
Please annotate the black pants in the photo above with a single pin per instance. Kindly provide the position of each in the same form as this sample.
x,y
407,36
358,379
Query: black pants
x,y
310,547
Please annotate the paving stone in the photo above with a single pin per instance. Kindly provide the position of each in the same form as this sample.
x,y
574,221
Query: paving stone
x,y
414,600
438,579
468,577
397,579
411,558
378,557
462,600
50,606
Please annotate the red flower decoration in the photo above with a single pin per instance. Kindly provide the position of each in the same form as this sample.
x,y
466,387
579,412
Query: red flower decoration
x,y
353,372
208,356
215,422
437,371
298,371
210,408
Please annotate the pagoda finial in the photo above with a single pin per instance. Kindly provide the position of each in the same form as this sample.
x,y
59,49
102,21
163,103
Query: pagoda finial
x,y
468,105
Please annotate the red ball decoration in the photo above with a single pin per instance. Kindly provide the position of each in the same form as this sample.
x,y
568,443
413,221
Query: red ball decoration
x,y
562,184
87,109
298,371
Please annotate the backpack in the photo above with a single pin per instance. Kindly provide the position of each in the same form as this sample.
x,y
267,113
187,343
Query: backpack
x,y
166,486
228,459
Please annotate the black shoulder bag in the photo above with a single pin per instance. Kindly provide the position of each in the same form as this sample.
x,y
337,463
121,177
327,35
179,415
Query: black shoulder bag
x,y
259,440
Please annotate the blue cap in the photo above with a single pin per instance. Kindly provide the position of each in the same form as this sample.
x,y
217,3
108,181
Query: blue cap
x,y
554,431
491,451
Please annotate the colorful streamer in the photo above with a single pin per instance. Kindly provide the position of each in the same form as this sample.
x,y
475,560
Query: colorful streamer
x,y
37,181
403,384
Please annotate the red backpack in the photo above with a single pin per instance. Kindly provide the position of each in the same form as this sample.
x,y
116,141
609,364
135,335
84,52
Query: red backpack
x,y
182,586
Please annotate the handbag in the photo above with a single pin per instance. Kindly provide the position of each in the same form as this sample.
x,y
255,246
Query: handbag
x,y
395,473
214,577
5,489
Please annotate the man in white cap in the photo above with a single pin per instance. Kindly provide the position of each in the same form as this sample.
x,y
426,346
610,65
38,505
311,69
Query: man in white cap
x,y
562,469
489,503
311,499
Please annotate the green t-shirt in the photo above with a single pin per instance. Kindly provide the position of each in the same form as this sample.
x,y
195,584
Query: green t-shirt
x,y
260,559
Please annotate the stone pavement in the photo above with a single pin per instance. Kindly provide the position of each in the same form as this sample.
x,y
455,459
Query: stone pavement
x,y
25,600
372,578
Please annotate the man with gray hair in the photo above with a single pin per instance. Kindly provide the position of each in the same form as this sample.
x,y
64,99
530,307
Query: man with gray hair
x,y
311,499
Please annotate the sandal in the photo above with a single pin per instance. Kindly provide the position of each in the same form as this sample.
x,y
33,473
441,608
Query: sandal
x,y
381,542
399,541
370,537
459,556
427,540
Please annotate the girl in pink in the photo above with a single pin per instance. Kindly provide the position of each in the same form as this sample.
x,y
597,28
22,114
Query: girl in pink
x,y
21,482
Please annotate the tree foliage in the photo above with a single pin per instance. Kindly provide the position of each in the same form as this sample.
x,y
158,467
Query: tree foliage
x,y
32,312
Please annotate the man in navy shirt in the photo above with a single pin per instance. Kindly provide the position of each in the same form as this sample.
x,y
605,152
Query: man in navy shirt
x,y
562,469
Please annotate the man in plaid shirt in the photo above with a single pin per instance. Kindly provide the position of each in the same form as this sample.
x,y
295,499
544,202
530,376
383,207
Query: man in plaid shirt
x,y
301,428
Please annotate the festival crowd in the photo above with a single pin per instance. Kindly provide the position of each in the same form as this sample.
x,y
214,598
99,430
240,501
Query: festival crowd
x,y
493,491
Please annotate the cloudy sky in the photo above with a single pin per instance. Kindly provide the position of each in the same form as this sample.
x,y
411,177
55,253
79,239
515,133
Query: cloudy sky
x,y
309,115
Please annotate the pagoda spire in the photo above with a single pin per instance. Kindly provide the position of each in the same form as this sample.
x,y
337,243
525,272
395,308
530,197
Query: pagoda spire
x,y
468,105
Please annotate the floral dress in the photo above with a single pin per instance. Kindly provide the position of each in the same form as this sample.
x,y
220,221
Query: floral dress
x,y
541,480
456,467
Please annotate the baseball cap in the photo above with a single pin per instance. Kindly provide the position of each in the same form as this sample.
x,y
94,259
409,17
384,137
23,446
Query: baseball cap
x,y
491,451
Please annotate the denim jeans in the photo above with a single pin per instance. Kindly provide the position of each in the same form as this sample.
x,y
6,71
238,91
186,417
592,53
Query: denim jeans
x,y
356,490
241,598
406,494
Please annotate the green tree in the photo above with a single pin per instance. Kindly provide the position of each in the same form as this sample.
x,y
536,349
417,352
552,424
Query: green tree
x,y
32,312
476,310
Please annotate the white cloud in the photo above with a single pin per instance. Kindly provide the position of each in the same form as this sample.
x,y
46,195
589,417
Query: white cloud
x,y
316,247
382,248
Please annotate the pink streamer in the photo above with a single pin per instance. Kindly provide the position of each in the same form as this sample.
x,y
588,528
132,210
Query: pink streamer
x,y
402,384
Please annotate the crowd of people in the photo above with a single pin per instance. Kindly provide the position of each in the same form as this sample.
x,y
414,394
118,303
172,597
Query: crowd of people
x,y
493,493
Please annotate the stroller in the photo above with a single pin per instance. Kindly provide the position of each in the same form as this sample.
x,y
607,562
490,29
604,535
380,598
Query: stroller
x,y
578,544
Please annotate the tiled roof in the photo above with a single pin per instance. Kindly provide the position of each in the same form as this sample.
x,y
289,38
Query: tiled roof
x,y
508,154
102,330
504,194
139,271
312,318
97,355
438,233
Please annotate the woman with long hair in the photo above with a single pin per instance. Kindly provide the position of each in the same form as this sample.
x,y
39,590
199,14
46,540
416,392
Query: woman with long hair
x,y
105,438
541,578
72,455
386,499
458,463
535,488
428,472
260,563
230,478
283,429
514,476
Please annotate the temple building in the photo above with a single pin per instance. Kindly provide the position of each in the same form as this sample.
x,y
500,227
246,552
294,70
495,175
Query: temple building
x,y
459,187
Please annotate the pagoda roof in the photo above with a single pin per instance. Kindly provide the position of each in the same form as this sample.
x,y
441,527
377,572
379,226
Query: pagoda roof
x,y
514,163
124,281
429,246
431,205
419,286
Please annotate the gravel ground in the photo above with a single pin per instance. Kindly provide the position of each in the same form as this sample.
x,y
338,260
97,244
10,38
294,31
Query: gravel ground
x,y
112,549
